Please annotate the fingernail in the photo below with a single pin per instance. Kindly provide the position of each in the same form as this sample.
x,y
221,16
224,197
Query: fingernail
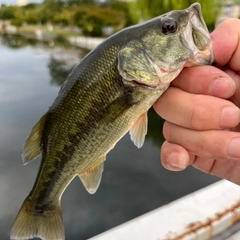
x,y
230,117
223,87
176,161
233,149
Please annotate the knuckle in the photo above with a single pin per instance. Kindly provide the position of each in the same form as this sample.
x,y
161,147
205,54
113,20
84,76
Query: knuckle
x,y
196,114
166,130
205,141
203,115
163,154
211,145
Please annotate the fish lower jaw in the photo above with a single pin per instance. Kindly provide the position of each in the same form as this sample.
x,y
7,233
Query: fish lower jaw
x,y
161,80
134,82
160,85
166,78
141,84
138,82
204,57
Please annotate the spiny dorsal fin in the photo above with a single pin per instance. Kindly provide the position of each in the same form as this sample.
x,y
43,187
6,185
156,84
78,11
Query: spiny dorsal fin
x,y
139,130
91,178
31,148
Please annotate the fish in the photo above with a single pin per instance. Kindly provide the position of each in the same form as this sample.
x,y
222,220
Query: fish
x,y
105,96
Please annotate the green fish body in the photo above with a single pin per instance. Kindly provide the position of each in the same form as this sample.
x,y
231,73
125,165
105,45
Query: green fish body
x,y
106,95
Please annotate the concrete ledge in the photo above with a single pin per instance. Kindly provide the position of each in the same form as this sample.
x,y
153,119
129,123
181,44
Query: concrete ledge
x,y
85,42
197,216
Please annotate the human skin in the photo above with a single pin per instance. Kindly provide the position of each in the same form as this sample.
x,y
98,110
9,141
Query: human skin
x,y
201,109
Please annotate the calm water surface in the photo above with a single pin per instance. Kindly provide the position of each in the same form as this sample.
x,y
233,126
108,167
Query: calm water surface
x,y
133,183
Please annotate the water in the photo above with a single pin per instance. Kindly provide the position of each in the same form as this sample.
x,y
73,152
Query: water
x,y
133,183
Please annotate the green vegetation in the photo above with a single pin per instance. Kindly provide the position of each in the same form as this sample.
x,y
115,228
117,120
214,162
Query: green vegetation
x,y
91,20
141,10
7,13
91,17
86,15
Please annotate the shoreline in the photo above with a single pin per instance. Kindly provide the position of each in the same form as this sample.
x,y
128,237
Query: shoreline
x,y
50,33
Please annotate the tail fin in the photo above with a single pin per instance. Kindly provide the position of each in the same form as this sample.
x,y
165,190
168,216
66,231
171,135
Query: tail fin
x,y
29,224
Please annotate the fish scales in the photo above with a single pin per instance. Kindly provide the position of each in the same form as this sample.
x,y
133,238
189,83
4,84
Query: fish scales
x,y
80,132
105,96
77,132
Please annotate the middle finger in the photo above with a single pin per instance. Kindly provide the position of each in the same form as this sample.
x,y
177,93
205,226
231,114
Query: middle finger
x,y
198,112
212,144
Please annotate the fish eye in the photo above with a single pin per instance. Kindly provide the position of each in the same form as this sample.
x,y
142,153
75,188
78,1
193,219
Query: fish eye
x,y
169,26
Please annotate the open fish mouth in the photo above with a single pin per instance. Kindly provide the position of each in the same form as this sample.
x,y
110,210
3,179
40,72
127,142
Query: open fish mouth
x,y
200,38
197,38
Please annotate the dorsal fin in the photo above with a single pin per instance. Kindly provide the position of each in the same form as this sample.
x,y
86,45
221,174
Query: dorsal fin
x,y
91,178
139,130
31,148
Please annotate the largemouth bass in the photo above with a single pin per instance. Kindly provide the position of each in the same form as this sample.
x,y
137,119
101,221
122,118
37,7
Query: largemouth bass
x,y
106,95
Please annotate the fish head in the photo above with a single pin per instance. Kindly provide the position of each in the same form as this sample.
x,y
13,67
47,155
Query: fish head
x,y
164,46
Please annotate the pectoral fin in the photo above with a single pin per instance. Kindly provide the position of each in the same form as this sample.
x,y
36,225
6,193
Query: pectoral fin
x,y
91,178
31,148
139,130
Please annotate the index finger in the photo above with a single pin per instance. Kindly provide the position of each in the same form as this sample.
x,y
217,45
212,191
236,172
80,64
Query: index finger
x,y
207,80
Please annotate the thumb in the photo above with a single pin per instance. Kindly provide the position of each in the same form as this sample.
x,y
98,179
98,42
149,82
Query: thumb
x,y
226,44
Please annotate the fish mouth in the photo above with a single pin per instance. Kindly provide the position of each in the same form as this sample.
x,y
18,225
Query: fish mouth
x,y
134,82
159,77
151,79
197,38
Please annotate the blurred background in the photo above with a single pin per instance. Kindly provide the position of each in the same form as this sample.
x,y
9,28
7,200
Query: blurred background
x,y
64,18
40,42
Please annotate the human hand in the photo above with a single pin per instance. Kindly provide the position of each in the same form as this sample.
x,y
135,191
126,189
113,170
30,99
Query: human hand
x,y
202,114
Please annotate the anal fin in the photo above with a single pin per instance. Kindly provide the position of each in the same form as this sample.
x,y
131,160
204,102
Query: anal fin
x,y
91,178
139,130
